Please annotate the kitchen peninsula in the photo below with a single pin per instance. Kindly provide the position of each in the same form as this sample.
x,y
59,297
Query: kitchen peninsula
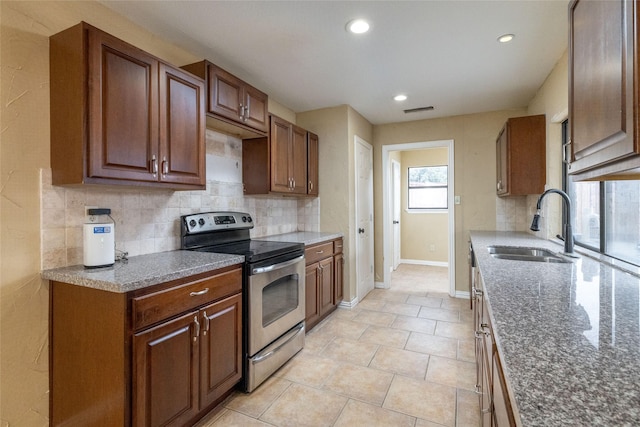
x,y
567,334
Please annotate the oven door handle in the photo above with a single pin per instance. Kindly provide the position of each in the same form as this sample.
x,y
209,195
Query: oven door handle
x,y
277,266
294,333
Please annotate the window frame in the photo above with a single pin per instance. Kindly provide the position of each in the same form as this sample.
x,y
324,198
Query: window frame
x,y
445,186
602,246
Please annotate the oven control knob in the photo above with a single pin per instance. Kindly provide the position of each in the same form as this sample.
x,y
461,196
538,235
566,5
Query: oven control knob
x,y
192,223
244,219
201,221
249,219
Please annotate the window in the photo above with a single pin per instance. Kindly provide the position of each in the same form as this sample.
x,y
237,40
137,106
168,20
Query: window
x,y
606,216
428,188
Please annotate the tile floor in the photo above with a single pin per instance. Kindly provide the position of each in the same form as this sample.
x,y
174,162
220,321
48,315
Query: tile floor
x,y
402,357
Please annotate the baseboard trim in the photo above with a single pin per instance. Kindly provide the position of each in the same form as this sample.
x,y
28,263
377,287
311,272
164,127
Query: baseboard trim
x,y
462,294
423,262
379,285
348,304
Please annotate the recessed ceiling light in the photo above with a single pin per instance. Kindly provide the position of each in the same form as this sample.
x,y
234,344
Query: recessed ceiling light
x,y
358,26
400,97
506,38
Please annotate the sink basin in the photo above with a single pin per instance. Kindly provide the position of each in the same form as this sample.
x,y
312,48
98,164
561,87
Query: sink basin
x,y
516,253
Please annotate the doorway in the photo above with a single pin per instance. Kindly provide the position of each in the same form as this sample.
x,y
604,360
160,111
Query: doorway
x,y
389,154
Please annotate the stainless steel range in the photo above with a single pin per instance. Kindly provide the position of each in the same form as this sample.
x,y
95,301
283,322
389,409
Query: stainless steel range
x,y
273,288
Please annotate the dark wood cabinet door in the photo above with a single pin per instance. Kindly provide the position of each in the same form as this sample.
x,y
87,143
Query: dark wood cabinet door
x,y
182,127
327,301
256,108
502,181
312,164
312,295
220,348
601,83
298,165
165,373
226,94
338,269
521,156
280,141
123,122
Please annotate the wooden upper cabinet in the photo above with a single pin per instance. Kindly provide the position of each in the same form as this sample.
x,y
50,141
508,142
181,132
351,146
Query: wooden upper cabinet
x,y
279,163
521,156
603,92
123,119
298,160
281,157
181,100
240,109
312,164
121,116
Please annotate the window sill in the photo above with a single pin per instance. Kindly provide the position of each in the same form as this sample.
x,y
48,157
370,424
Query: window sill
x,y
426,211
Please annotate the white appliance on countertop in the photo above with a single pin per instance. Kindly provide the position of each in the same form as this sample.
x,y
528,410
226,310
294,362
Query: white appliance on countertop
x,y
99,239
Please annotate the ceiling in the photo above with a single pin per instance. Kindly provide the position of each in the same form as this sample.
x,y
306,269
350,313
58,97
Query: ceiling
x,y
439,53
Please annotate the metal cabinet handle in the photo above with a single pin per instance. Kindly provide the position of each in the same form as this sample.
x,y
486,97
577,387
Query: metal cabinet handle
x,y
197,332
206,323
242,111
310,185
319,252
247,110
154,165
198,293
165,166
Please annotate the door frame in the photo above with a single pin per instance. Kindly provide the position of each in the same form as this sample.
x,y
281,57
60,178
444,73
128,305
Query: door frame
x,y
395,196
387,233
359,141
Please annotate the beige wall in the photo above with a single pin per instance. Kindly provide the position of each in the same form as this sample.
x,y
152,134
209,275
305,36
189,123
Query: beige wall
x,y
552,99
424,235
475,168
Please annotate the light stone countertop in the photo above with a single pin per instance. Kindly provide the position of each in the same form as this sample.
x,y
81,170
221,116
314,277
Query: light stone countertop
x,y
306,237
568,335
143,270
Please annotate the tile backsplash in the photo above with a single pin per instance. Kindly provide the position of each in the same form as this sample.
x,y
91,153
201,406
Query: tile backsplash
x,y
147,220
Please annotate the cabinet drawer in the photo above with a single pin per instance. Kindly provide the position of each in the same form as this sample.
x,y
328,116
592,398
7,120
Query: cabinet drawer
x,y
318,252
337,246
149,309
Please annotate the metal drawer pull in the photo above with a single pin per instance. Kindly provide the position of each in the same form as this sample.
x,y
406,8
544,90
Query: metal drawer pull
x,y
319,252
198,293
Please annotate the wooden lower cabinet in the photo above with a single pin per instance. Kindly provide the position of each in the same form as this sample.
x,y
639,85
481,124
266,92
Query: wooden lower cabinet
x,y
165,373
495,405
324,280
163,356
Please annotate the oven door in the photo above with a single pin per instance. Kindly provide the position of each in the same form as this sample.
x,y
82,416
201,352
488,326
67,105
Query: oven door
x,y
276,301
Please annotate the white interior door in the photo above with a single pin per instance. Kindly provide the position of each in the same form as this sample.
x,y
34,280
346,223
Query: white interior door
x,y
395,188
364,217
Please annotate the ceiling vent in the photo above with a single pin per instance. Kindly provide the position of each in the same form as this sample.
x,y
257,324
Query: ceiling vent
x,y
417,110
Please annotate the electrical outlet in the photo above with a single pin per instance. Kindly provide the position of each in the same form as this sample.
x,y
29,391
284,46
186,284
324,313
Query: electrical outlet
x,y
432,248
87,217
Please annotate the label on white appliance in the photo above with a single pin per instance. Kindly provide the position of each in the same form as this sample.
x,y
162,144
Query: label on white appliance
x,y
101,230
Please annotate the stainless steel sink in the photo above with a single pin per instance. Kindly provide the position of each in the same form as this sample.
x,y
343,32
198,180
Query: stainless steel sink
x,y
525,254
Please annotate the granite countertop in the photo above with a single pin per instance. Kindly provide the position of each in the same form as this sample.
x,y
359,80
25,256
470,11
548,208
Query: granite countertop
x,y
306,237
143,270
568,335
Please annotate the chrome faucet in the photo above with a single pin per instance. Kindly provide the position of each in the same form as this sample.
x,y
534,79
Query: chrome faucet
x,y
568,233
